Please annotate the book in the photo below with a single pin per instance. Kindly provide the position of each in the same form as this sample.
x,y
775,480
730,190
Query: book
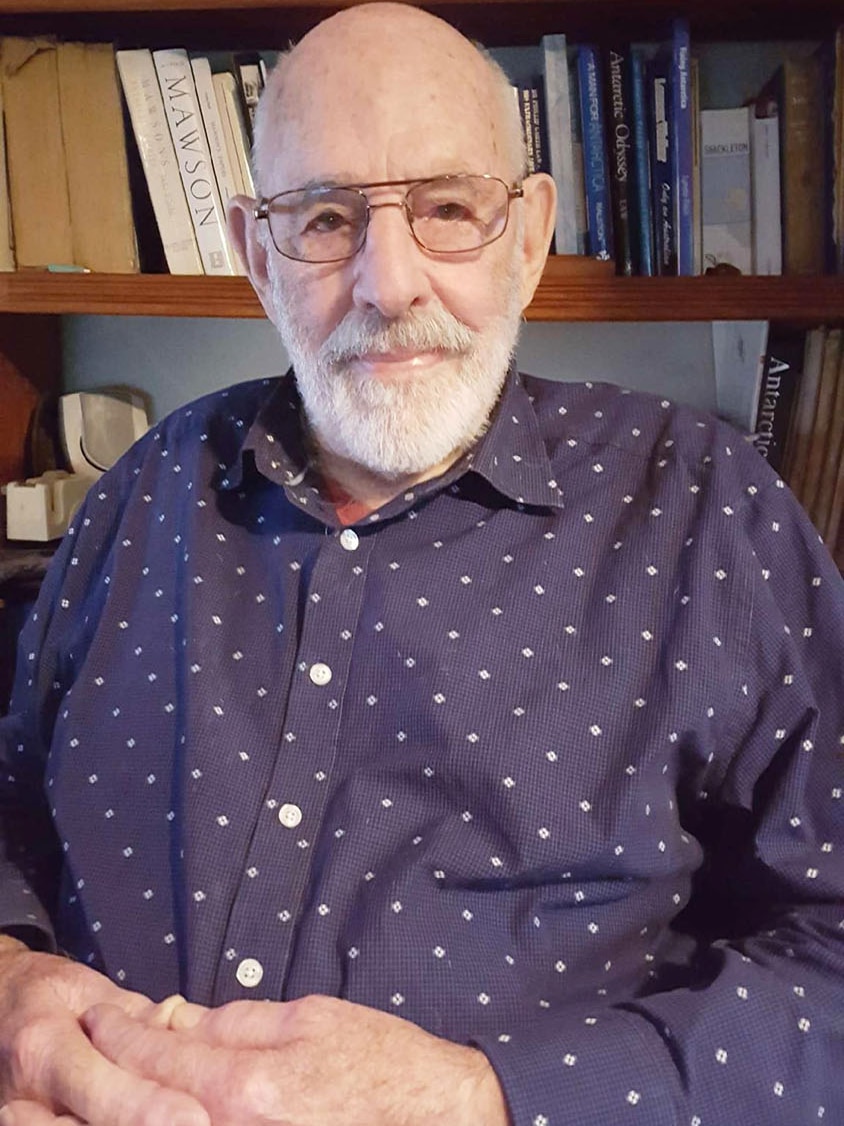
x,y
800,437
619,124
560,141
643,226
821,425
681,147
181,107
595,165
7,241
101,220
234,126
739,351
779,386
834,531
219,149
725,188
531,109
823,512
35,154
581,216
797,86
697,201
657,76
765,194
251,83
158,158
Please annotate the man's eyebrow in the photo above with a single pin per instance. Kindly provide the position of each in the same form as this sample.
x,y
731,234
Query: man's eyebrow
x,y
349,181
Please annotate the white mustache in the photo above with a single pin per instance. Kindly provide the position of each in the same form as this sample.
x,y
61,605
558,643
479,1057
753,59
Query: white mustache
x,y
367,332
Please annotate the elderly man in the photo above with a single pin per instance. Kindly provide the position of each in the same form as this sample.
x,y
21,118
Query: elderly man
x,y
487,731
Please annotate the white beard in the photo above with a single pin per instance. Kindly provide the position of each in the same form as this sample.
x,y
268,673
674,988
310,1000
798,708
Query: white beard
x,y
402,428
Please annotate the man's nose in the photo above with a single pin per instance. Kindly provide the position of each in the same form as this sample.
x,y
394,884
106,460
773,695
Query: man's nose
x,y
390,268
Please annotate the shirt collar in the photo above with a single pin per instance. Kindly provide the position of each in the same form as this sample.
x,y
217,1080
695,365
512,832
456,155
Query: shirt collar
x,y
510,455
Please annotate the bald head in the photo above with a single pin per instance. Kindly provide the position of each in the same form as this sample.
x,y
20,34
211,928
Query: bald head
x,y
384,71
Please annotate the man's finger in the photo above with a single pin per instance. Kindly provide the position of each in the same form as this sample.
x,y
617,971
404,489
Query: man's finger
x,y
100,1093
20,1112
166,1057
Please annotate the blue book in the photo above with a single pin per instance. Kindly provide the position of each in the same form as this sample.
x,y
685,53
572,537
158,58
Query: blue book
x,y
595,164
682,154
658,92
643,228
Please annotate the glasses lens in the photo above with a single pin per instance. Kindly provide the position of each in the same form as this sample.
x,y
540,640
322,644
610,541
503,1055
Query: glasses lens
x,y
319,225
458,212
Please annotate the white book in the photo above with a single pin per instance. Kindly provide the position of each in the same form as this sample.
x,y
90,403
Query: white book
x,y
181,106
766,197
560,143
227,182
158,157
738,349
725,188
228,99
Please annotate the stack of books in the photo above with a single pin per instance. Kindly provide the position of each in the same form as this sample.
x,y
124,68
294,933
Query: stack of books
x,y
138,153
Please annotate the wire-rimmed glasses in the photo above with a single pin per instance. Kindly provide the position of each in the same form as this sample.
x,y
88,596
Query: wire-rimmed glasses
x,y
446,215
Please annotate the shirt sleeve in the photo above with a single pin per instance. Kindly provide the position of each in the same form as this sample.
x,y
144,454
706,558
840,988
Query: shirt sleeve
x,y
51,647
757,1037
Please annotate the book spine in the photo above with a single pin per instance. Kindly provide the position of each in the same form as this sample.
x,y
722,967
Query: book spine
x,y
158,157
838,151
194,159
560,143
766,197
228,100
212,121
7,251
662,192
595,167
619,134
581,216
697,199
725,188
644,228
778,393
803,195
681,149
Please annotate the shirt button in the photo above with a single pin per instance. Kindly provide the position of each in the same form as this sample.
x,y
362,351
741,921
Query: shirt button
x,y
320,674
290,815
349,539
249,973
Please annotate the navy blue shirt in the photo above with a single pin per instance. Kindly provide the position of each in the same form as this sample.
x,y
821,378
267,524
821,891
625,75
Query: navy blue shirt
x,y
545,755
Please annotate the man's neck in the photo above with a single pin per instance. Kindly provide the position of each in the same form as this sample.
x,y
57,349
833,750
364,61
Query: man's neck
x,y
358,490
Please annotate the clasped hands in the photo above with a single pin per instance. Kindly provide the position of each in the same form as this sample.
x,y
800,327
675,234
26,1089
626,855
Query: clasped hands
x,y
77,1049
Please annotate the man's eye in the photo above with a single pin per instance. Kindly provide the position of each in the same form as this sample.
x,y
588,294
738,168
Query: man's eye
x,y
449,212
326,222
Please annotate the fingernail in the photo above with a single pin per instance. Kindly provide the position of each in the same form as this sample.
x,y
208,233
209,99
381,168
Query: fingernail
x,y
186,1016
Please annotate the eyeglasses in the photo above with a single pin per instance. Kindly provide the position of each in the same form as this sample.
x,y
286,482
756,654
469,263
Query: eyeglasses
x,y
446,215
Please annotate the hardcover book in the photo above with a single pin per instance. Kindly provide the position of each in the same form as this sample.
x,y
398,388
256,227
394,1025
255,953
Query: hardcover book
x,y
102,225
158,157
595,164
643,227
658,88
725,188
35,153
7,242
619,116
561,142
681,148
778,389
190,142
234,126
765,193
821,425
803,423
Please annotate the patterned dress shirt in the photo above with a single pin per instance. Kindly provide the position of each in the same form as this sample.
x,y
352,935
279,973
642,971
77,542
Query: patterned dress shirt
x,y
544,755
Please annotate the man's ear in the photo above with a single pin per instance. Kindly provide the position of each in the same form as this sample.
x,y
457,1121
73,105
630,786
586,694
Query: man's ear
x,y
540,204
246,239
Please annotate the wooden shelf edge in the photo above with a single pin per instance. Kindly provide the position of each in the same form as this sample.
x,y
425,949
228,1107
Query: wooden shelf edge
x,y
571,290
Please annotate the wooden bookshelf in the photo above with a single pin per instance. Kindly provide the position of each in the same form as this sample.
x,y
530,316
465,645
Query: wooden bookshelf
x,y
565,294
569,291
